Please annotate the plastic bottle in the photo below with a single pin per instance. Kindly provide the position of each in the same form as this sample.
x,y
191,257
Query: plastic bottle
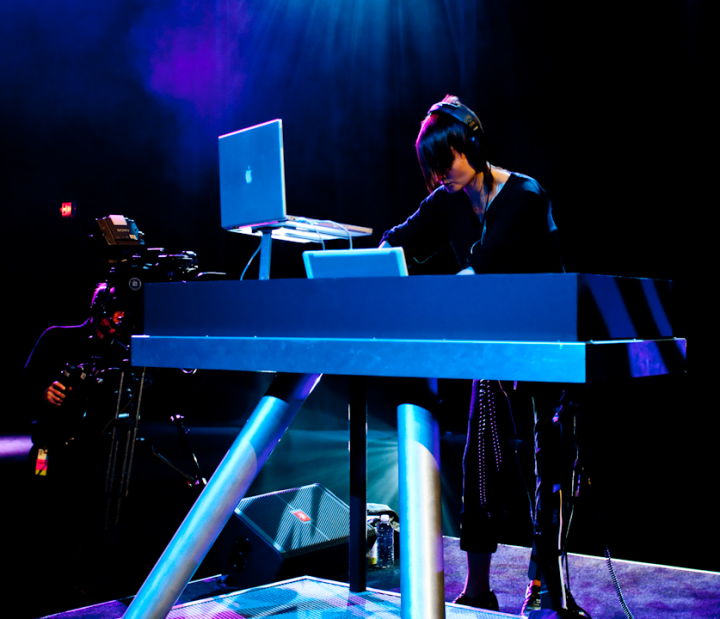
x,y
372,554
385,543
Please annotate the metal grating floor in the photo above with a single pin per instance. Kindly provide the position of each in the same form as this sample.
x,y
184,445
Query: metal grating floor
x,y
309,598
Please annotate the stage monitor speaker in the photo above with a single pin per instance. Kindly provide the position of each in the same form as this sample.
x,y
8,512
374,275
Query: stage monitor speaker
x,y
270,537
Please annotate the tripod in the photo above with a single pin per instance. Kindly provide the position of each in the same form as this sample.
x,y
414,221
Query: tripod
x,y
124,438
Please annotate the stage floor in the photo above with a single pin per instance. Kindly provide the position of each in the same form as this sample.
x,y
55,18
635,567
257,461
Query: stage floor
x,y
656,591
305,597
308,598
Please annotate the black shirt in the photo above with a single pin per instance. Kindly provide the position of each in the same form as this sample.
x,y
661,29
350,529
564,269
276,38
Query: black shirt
x,y
518,234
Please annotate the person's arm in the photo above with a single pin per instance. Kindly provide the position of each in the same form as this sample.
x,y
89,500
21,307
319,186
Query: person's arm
x,y
43,366
466,271
423,233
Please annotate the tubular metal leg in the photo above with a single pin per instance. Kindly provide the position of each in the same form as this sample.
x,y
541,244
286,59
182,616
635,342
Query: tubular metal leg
x,y
357,411
201,527
422,584
265,253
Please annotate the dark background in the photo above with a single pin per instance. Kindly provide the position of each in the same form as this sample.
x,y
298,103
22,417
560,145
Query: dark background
x,y
117,106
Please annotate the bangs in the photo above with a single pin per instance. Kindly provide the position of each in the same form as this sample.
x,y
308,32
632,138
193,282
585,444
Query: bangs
x,y
439,135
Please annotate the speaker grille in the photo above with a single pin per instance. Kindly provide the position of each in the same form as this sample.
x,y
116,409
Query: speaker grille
x,y
298,520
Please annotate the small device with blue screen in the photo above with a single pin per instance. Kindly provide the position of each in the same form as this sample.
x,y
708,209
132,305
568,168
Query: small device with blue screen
x,y
380,262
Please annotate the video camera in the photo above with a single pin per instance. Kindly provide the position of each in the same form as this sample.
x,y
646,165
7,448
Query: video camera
x,y
117,306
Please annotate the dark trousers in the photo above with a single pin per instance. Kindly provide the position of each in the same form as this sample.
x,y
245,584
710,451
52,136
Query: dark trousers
x,y
489,463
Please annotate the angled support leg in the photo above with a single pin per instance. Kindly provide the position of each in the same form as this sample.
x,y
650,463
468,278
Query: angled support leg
x,y
202,526
422,583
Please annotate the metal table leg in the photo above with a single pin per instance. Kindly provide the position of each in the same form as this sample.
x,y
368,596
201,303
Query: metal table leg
x,y
357,413
201,527
422,583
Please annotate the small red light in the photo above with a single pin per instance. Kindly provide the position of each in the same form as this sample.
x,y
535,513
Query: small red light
x,y
67,209
301,515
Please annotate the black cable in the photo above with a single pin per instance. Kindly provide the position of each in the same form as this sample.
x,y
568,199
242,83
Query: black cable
x,y
616,583
516,456
574,492
247,266
575,488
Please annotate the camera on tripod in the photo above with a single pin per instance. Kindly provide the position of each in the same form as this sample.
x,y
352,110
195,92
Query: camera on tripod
x,y
117,307
116,316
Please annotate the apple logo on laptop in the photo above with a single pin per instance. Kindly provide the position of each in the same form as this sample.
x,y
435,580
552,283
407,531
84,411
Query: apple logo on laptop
x,y
248,175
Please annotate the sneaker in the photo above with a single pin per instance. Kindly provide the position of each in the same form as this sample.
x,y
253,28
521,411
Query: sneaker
x,y
533,603
573,606
487,601
532,599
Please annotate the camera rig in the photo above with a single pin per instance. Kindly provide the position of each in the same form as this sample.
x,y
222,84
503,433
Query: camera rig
x,y
117,307
116,316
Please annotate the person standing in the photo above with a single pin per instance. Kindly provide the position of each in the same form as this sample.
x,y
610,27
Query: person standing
x,y
495,221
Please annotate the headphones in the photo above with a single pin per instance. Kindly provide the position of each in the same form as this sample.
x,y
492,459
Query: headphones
x,y
468,118
460,112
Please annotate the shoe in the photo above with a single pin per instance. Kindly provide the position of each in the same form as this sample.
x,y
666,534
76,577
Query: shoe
x,y
532,599
533,603
486,601
567,613
573,606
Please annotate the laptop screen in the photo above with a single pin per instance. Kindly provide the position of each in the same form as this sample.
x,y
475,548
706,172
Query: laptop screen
x,y
388,261
252,176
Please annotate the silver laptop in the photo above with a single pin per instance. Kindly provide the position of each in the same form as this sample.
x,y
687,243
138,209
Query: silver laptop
x,y
385,262
252,189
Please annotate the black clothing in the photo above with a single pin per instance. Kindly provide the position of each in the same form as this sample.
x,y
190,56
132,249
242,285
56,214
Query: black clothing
x,y
86,352
72,434
56,348
66,495
518,234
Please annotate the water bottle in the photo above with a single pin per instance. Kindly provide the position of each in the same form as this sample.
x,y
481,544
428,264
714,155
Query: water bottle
x,y
372,554
385,543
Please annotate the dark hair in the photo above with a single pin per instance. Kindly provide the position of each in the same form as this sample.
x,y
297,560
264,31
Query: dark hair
x,y
441,132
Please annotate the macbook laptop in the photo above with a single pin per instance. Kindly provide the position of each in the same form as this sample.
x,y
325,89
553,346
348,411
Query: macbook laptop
x,y
252,189
388,261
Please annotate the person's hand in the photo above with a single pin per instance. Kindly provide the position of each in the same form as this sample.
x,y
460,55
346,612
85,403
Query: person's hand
x,y
54,394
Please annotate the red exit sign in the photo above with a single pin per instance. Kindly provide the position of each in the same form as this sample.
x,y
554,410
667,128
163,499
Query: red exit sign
x,y
67,209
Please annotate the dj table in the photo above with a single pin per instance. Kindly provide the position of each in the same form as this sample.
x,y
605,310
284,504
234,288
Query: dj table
x,y
561,328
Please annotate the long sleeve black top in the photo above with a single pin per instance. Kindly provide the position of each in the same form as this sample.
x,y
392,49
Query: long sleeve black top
x,y
518,234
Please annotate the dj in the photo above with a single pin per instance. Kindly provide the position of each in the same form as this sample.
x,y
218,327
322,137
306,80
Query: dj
x,y
496,221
